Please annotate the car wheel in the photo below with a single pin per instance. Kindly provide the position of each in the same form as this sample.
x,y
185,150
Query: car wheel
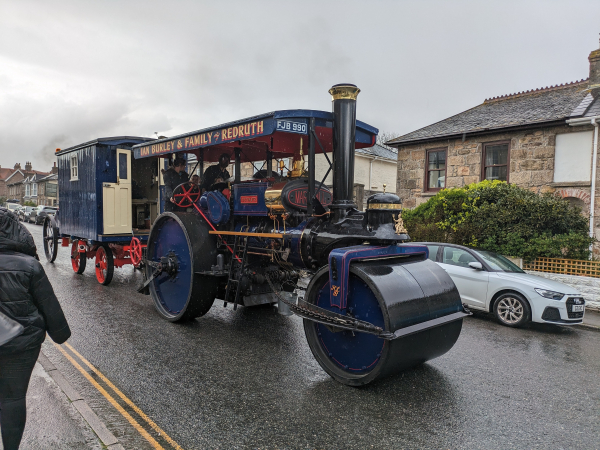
x,y
512,310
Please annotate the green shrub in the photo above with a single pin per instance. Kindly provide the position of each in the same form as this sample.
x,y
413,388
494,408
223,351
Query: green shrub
x,y
504,218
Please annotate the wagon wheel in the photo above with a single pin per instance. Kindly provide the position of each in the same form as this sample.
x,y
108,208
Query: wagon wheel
x,y
78,260
50,233
186,194
105,265
135,252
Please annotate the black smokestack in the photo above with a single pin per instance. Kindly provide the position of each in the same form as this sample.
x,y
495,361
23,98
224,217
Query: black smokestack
x,y
344,133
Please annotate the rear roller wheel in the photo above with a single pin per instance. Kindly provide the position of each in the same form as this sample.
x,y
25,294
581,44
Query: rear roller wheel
x,y
390,296
183,240
50,235
78,260
105,265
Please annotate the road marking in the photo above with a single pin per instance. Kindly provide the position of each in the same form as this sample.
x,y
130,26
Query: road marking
x,y
112,401
133,406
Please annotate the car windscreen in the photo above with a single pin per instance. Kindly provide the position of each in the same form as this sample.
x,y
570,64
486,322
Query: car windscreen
x,y
498,262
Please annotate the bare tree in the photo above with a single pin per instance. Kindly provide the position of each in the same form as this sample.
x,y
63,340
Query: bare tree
x,y
385,136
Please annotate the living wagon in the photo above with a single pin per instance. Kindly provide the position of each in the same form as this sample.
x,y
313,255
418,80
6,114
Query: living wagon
x,y
108,201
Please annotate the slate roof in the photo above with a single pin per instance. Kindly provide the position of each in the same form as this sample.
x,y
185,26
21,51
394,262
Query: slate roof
x,y
589,107
537,106
379,151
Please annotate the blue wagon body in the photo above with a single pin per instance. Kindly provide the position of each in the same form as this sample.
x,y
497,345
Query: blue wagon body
x,y
81,198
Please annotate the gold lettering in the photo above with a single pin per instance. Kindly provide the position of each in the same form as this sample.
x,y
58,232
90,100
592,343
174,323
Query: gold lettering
x,y
259,127
209,137
229,131
241,131
253,124
247,130
224,135
235,132
187,141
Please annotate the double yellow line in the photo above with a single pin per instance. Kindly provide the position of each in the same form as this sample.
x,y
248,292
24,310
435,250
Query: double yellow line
x,y
116,404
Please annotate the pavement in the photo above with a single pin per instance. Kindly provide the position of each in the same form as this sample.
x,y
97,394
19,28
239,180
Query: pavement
x,y
58,417
247,379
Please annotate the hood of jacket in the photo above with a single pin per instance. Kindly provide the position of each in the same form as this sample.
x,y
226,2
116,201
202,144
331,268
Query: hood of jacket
x,y
14,236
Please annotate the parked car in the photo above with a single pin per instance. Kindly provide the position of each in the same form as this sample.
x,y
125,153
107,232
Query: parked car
x,y
490,282
24,212
12,206
38,215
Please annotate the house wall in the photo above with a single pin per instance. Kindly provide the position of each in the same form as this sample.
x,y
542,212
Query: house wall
x,y
531,166
384,171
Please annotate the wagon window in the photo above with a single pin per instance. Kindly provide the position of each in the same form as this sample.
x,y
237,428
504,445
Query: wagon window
x,y
122,166
74,168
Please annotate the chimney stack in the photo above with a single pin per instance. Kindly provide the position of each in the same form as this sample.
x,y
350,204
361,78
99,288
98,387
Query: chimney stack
x,y
54,168
343,98
28,166
594,83
17,166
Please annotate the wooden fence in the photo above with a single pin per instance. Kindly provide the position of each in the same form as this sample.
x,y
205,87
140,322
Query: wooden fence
x,y
565,266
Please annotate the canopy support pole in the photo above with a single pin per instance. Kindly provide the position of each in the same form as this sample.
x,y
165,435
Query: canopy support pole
x,y
311,167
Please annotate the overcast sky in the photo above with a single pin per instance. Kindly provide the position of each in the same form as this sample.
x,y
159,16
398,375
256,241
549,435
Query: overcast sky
x,y
71,71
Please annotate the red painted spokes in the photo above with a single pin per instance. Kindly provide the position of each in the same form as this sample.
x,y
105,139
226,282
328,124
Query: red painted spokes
x,y
136,251
75,258
186,194
101,264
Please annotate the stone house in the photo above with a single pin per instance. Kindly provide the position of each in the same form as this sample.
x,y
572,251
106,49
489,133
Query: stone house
x,y
545,140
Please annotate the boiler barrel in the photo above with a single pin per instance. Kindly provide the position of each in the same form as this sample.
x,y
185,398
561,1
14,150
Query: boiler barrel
x,y
393,296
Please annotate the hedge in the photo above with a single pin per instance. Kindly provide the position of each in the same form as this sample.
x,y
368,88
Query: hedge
x,y
504,218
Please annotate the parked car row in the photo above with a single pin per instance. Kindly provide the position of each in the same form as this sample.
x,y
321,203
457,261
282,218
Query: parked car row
x,y
490,282
33,214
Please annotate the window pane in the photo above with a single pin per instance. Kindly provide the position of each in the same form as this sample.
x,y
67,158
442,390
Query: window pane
x,y
437,160
433,249
437,179
122,166
496,154
495,173
457,257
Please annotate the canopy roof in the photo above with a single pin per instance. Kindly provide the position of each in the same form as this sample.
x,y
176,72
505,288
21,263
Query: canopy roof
x,y
281,132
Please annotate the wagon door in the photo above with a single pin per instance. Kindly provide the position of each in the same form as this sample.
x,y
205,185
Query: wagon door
x,y
117,197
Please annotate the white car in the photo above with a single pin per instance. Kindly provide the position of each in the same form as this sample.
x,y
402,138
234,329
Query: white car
x,y
490,282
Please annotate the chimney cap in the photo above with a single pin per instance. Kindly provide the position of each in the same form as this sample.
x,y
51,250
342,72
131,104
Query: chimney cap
x,y
344,91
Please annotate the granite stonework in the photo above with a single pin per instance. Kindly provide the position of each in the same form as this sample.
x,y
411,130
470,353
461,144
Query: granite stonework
x,y
531,166
588,287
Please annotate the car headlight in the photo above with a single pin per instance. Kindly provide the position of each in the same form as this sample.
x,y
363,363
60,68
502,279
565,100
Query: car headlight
x,y
549,294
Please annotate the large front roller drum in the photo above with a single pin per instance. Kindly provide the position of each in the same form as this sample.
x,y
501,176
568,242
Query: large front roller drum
x,y
183,295
393,296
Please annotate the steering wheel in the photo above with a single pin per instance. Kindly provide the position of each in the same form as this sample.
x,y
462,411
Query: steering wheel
x,y
186,194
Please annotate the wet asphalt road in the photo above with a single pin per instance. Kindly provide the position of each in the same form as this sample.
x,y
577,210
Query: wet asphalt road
x,y
247,379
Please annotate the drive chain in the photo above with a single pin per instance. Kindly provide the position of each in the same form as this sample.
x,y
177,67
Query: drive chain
x,y
321,315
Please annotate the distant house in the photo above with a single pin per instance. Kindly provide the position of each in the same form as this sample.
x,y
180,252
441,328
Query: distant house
x,y
542,140
22,185
4,174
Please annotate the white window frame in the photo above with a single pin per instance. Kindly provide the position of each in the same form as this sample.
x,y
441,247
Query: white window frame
x,y
27,190
34,190
74,163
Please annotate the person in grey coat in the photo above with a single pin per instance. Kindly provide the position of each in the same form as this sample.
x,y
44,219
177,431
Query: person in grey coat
x,y
26,296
